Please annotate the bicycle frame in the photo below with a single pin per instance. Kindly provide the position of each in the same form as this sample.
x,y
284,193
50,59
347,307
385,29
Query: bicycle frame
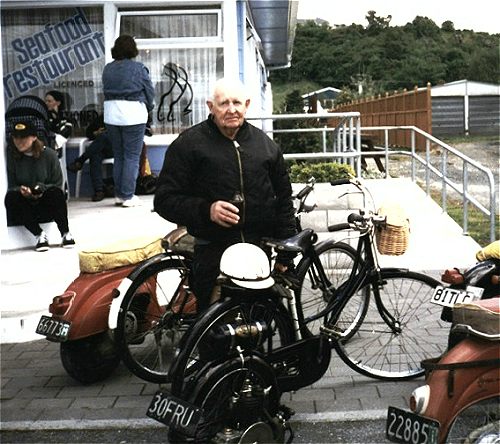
x,y
365,267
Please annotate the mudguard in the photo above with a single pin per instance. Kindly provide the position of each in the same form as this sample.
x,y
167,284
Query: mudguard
x,y
465,375
122,289
302,363
86,301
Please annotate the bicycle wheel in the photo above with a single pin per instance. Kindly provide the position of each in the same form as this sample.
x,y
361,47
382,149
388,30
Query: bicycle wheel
x,y
380,351
242,322
478,423
239,397
150,324
337,261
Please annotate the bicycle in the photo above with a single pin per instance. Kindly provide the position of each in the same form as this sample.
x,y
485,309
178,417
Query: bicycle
x,y
381,340
158,307
156,310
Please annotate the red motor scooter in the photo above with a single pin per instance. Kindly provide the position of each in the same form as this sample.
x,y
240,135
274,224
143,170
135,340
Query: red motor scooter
x,y
460,402
81,317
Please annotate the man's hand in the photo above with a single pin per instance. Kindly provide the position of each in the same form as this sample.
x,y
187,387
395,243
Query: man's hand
x,y
25,191
281,268
224,214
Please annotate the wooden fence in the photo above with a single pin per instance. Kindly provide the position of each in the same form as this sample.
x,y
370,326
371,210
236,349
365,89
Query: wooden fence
x,y
398,109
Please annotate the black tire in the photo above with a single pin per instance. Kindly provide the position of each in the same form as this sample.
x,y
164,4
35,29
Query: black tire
x,y
90,359
337,259
234,396
148,330
476,423
376,350
206,340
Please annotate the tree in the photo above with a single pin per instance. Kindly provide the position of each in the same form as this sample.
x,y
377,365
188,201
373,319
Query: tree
x,y
376,23
393,57
298,142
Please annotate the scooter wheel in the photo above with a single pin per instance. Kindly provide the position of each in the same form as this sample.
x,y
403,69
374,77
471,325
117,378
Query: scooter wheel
x,y
91,359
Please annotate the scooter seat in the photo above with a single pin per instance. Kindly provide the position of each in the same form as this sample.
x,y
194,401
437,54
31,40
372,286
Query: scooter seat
x,y
481,318
119,254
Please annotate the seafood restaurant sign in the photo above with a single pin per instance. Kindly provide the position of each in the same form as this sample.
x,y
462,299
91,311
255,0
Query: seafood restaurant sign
x,y
53,51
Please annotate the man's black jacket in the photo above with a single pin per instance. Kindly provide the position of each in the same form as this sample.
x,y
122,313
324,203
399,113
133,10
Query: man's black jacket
x,y
202,166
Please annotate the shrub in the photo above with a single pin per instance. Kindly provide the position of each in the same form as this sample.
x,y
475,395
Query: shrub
x,y
322,172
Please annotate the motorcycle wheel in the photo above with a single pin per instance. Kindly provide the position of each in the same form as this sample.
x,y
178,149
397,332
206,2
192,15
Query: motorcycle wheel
x,y
477,424
90,359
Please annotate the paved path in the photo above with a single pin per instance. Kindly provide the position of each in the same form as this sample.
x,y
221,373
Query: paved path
x,y
36,392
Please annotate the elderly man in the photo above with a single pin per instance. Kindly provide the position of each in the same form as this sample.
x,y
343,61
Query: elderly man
x,y
226,181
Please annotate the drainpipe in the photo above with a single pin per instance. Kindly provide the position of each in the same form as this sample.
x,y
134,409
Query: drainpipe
x,y
466,108
3,165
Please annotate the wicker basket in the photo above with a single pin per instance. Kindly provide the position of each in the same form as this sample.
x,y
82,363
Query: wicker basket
x,y
393,239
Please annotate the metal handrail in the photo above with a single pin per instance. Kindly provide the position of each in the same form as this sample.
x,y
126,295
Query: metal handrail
x,y
346,148
441,174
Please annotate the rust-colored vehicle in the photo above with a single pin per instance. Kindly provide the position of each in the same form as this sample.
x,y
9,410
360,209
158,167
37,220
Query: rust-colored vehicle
x,y
135,313
460,401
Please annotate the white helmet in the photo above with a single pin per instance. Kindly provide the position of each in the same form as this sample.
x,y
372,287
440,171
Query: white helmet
x,y
247,266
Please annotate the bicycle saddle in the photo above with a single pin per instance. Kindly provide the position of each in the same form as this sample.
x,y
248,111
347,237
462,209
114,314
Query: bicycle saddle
x,y
298,243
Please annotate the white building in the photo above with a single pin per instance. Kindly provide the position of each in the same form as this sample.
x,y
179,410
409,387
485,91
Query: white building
x,y
186,44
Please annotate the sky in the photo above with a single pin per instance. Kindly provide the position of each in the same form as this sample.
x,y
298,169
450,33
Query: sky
x,y
477,15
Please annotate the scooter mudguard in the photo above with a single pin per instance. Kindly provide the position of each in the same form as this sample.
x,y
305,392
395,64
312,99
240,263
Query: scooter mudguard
x,y
470,371
114,309
87,300
452,390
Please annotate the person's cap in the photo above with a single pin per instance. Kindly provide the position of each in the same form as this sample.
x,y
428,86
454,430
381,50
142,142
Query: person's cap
x,y
24,129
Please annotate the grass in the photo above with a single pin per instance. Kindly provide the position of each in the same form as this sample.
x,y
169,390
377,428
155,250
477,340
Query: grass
x,y
478,223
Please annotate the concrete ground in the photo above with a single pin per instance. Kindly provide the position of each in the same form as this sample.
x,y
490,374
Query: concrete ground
x,y
37,393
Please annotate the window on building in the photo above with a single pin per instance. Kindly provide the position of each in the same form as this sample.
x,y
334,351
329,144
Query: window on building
x,y
56,48
184,52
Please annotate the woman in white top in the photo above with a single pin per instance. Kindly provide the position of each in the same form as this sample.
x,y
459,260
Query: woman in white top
x,y
128,98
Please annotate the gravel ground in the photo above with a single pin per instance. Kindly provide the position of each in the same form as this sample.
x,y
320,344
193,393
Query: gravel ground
x,y
486,152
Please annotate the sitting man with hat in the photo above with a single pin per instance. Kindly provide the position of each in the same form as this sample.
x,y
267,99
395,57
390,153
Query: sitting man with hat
x,y
35,186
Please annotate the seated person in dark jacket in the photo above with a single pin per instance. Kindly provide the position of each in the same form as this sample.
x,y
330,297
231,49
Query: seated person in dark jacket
x,y
35,184
58,123
217,161
99,149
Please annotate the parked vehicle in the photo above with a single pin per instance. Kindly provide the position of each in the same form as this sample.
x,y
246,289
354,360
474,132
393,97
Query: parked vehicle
x,y
382,315
481,281
460,401
80,317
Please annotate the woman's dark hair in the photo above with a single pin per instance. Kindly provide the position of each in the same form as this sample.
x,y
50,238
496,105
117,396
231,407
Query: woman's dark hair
x,y
58,96
124,48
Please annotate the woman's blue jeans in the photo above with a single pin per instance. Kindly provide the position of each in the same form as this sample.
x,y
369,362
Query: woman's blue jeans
x,y
127,142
